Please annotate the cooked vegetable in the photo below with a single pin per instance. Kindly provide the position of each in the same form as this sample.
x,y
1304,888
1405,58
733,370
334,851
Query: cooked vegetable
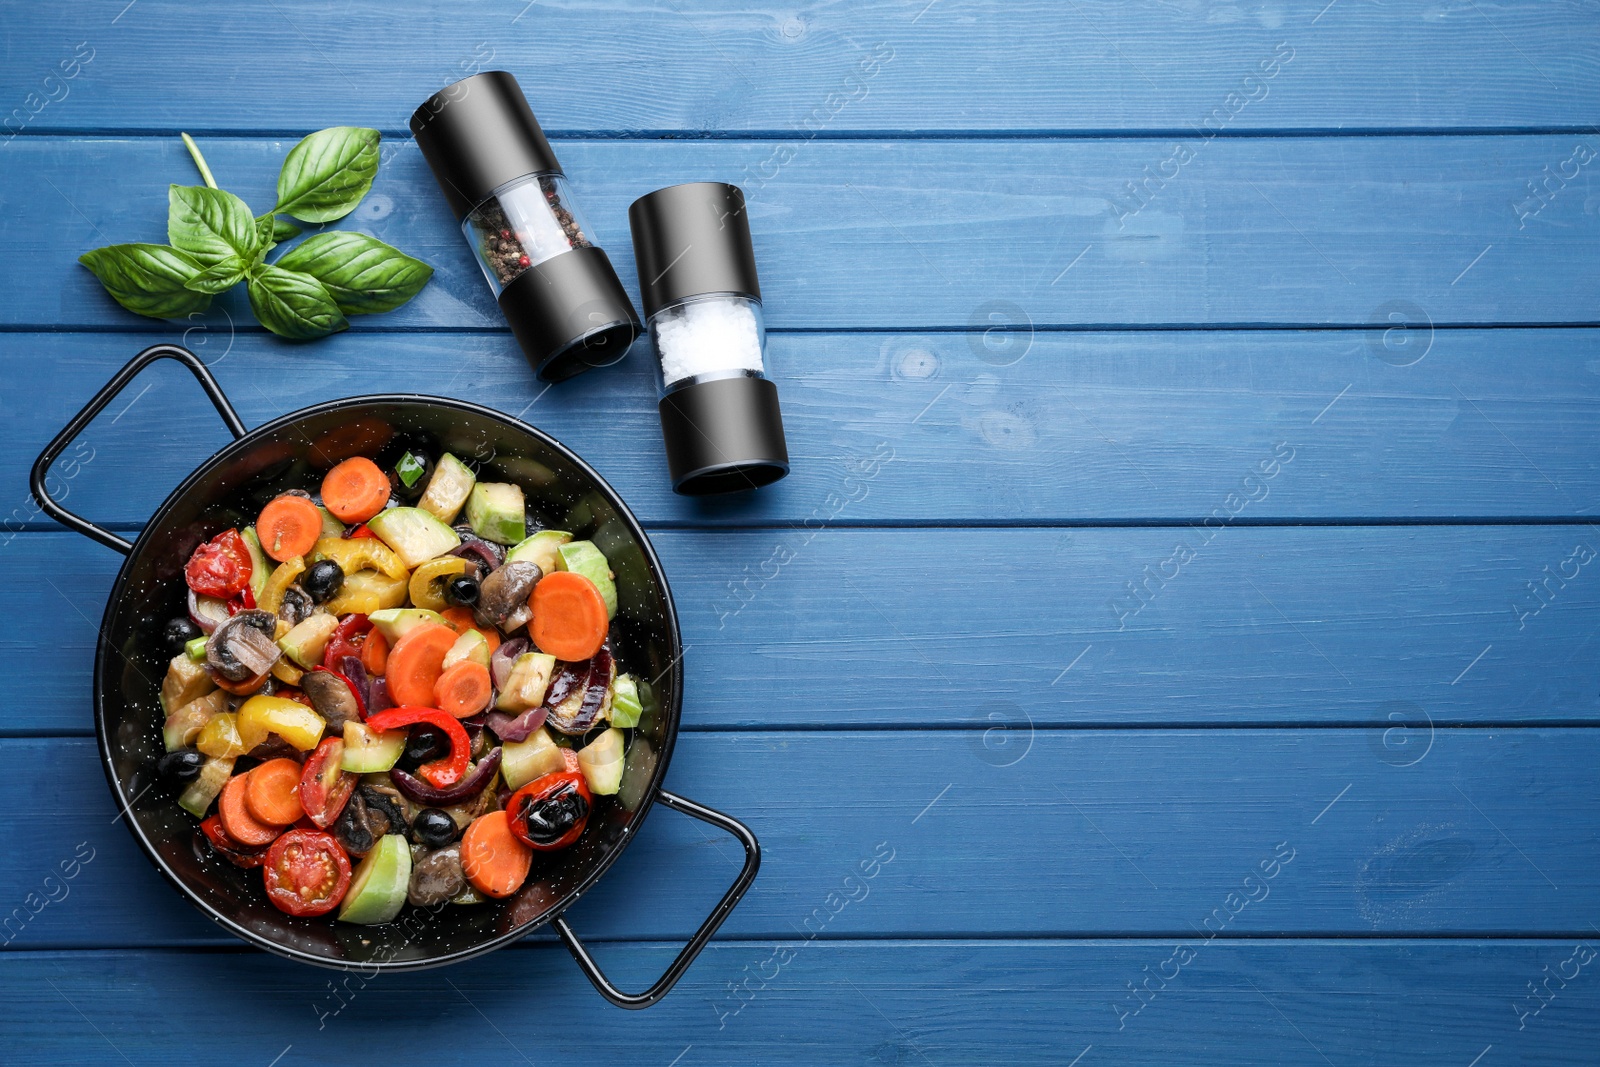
x,y
272,794
470,647
354,554
503,595
260,566
367,751
625,705
378,890
528,682
437,876
306,642
430,580
497,512
334,696
582,557
325,787
395,623
367,591
601,762
375,653
289,719
185,681
306,873
355,490
369,816
549,812
180,633
441,773
243,647
181,766
569,616
463,690
463,590
226,847
221,567
289,526
434,829
415,536
219,737
448,489
523,761
205,788
469,787
494,860
271,597
415,663
541,548
577,696
184,724
242,826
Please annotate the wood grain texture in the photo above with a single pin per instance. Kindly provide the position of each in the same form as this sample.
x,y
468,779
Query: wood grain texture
x,y
912,627
1272,1004
920,427
946,233
1078,833
717,68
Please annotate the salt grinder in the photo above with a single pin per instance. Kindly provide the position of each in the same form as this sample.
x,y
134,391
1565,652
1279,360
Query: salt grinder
x,y
555,286
697,276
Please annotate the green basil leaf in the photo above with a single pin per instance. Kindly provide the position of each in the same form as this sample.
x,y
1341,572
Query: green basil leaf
x,y
148,279
283,229
325,176
210,224
293,305
363,274
220,278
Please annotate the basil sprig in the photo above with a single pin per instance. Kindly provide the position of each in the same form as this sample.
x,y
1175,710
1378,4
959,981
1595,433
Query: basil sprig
x,y
216,243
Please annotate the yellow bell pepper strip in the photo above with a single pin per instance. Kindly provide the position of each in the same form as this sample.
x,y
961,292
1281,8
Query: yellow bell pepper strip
x,y
271,598
289,719
428,581
362,553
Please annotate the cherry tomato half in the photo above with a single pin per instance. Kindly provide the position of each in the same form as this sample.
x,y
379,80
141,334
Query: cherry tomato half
x,y
550,812
324,787
221,567
226,847
347,640
306,873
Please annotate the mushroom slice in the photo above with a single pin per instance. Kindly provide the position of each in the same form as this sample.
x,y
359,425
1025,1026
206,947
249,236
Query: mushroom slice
x,y
331,697
242,647
503,595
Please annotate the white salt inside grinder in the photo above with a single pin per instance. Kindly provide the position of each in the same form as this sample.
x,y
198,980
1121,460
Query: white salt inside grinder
x,y
707,336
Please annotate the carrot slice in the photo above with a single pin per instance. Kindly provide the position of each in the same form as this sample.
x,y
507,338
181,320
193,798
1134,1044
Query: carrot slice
x,y
569,616
415,663
288,527
375,653
463,690
494,861
355,490
463,620
236,818
273,793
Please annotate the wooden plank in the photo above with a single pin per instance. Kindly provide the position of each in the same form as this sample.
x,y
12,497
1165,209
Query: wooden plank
x,y
946,233
877,627
1257,1003
924,427
1156,833
904,65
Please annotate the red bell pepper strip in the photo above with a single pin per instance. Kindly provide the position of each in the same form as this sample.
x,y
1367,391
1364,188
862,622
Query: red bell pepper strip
x,y
361,530
346,640
441,773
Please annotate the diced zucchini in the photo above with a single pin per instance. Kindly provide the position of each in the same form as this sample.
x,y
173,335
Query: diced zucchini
x,y
523,761
448,489
582,557
367,751
304,644
601,763
625,706
185,723
541,548
197,798
497,512
378,889
530,677
415,535
186,680
261,567
471,645
395,623
331,527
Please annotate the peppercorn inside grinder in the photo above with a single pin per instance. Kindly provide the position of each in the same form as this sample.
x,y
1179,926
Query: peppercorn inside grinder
x,y
697,276
555,286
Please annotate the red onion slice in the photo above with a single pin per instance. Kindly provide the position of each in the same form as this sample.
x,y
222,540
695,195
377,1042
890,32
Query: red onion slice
x,y
356,674
378,698
474,783
475,547
519,727
504,658
207,612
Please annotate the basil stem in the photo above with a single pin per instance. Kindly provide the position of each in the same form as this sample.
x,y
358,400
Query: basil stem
x,y
199,160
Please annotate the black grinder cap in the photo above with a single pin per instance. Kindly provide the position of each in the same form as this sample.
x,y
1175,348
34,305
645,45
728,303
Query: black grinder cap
x,y
568,313
723,434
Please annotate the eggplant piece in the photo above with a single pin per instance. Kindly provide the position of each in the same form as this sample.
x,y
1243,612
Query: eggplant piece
x,y
503,595
437,877
331,698
573,713
369,816
243,647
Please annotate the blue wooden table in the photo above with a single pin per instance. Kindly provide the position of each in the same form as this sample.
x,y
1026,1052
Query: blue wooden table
x,y
1176,641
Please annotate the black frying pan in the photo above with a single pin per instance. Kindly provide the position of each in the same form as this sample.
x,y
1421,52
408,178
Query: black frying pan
x,y
228,490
